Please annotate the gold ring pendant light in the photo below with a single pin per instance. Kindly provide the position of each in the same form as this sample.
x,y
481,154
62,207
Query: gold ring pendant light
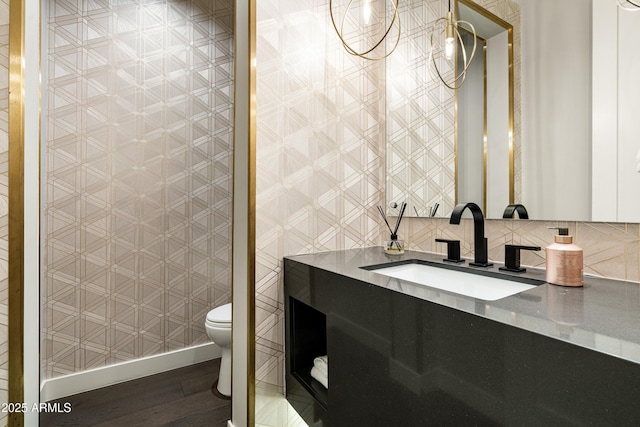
x,y
632,6
367,53
449,27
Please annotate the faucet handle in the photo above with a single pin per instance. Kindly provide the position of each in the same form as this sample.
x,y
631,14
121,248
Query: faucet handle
x,y
453,250
510,211
512,257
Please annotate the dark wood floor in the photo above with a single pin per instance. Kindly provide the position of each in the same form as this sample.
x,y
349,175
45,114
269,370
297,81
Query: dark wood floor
x,y
182,397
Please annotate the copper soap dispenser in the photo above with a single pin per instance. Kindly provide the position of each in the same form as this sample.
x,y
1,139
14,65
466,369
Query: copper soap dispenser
x,y
564,260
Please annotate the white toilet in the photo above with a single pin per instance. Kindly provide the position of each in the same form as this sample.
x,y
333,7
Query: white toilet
x,y
218,326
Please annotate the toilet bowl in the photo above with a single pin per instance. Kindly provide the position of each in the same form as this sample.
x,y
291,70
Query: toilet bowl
x,y
218,326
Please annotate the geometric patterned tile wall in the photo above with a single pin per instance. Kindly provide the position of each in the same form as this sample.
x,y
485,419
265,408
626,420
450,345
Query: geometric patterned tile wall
x,y
420,122
320,156
138,104
4,204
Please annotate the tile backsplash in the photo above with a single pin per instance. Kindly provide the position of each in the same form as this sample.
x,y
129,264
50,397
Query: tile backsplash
x,y
611,250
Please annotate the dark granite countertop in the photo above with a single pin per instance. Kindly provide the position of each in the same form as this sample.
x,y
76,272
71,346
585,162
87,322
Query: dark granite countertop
x,y
604,315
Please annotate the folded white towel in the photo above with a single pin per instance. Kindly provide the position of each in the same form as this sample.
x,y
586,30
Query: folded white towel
x,y
322,379
321,360
322,369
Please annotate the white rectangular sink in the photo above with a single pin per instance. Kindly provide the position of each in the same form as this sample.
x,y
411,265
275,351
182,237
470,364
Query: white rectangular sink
x,y
459,282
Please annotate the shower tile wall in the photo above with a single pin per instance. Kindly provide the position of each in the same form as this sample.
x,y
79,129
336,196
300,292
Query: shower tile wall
x,y
4,204
320,156
137,161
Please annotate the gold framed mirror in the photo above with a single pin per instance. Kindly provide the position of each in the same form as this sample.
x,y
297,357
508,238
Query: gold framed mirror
x,y
484,123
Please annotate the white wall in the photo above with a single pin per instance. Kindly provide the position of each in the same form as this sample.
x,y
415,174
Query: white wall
x,y
31,270
615,113
471,130
497,125
556,108
605,111
580,123
628,116
242,404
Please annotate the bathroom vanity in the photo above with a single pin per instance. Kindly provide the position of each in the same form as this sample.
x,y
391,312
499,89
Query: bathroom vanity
x,y
401,353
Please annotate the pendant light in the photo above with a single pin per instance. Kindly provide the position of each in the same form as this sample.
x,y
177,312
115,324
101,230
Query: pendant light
x,y
363,19
450,29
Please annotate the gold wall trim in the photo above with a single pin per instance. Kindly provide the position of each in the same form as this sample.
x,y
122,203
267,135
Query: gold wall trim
x,y
16,209
251,240
511,117
244,163
484,128
456,160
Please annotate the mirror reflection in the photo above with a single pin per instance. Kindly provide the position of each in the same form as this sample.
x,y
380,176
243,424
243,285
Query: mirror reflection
x,y
575,149
484,161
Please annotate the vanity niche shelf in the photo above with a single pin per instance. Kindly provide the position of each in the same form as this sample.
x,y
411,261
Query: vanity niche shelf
x,y
308,340
397,359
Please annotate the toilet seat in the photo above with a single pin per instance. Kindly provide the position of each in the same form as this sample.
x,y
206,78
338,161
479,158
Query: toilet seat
x,y
218,327
220,316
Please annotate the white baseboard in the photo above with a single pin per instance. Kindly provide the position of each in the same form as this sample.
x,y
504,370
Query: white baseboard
x,y
79,382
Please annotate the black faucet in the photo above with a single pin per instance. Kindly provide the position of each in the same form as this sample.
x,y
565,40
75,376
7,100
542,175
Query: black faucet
x,y
510,210
480,243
